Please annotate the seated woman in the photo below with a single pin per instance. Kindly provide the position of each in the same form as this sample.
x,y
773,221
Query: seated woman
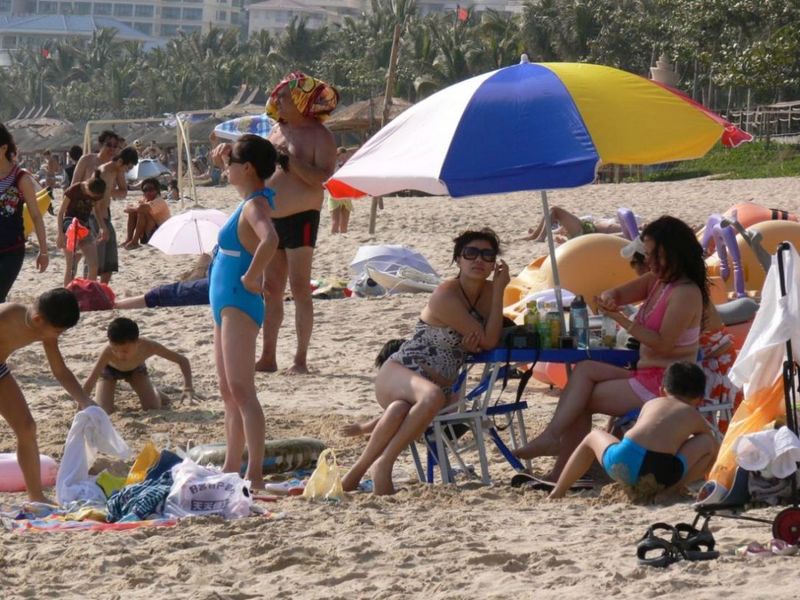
x,y
463,314
571,226
675,294
147,216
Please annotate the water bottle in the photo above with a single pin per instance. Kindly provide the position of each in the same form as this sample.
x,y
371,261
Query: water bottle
x,y
531,318
579,322
609,332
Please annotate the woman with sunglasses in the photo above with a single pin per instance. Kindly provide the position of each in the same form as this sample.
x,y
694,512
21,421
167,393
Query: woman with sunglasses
x,y
246,244
464,314
147,216
16,189
674,296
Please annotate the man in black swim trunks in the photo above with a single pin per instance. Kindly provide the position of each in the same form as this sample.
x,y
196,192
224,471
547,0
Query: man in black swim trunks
x,y
301,103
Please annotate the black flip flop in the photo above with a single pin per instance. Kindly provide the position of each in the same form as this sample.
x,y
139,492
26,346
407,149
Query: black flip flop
x,y
655,551
528,481
695,544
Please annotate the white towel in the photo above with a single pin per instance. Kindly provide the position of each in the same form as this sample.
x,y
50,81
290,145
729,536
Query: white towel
x,y
91,432
775,452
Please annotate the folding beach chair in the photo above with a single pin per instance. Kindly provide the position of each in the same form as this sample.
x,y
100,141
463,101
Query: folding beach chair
x,y
445,440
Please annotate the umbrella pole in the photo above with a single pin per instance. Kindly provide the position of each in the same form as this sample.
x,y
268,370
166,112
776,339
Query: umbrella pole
x,y
199,240
554,265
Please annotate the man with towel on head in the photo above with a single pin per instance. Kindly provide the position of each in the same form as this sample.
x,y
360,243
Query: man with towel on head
x,y
299,104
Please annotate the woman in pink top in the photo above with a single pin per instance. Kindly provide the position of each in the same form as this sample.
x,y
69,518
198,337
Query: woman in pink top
x,y
674,294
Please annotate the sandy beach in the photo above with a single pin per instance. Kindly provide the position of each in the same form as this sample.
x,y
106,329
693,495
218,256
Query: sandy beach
x,y
465,541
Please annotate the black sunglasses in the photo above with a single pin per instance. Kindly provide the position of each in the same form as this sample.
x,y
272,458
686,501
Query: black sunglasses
x,y
239,161
149,189
471,253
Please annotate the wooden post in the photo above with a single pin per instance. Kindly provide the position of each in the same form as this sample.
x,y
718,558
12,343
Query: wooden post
x,y
387,103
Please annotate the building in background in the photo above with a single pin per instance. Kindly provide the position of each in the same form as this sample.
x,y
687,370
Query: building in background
x,y
154,18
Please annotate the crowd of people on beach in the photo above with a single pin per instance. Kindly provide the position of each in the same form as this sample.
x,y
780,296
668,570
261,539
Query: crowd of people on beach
x,y
268,243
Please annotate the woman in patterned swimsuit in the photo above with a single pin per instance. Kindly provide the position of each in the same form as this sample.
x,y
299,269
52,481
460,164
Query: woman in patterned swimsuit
x,y
464,314
674,294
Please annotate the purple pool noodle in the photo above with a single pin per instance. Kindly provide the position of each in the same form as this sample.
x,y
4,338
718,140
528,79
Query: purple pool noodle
x,y
627,220
719,241
729,235
708,233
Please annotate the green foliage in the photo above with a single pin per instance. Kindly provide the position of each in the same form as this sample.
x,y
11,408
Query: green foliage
x,y
748,161
725,51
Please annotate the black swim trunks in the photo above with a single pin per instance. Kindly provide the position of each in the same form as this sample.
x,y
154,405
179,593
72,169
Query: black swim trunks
x,y
110,372
297,230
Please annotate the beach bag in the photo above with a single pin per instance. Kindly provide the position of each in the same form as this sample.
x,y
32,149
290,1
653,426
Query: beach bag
x,y
325,482
92,295
199,491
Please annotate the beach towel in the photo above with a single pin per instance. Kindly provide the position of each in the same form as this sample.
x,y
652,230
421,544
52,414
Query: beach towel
x,y
91,432
140,500
312,97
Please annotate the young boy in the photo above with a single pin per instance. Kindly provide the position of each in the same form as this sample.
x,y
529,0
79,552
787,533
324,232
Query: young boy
x,y
53,313
124,358
670,441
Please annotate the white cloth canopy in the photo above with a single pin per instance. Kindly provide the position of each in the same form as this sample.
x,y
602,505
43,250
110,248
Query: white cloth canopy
x,y
191,232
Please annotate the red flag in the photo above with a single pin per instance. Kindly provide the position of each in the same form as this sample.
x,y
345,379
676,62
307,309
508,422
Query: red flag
x,y
462,13
45,53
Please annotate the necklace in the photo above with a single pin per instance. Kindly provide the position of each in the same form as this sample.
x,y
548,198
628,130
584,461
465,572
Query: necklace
x,y
464,293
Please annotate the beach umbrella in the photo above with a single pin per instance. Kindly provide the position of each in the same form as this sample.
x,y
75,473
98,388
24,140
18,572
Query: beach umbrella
x,y
531,126
148,167
191,232
232,130
389,257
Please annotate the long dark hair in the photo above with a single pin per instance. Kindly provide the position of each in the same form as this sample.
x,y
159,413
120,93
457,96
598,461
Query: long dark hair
x,y
6,139
675,241
471,235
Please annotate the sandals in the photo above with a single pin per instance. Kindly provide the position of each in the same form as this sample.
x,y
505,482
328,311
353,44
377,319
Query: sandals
x,y
532,482
684,543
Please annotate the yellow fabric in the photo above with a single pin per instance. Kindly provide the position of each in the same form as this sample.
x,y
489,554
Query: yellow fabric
x,y
755,413
312,97
110,483
146,459
618,114
43,199
87,514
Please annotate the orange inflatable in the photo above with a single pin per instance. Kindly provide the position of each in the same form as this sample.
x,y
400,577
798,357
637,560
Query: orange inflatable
x,y
750,213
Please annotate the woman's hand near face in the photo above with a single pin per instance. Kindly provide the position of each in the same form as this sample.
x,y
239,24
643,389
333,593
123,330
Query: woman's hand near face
x,y
501,274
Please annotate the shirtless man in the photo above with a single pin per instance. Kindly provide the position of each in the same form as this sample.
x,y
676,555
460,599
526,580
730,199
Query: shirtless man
x,y
311,148
51,315
113,173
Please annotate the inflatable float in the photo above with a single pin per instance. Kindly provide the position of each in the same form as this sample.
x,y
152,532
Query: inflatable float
x,y
280,456
43,199
11,479
577,268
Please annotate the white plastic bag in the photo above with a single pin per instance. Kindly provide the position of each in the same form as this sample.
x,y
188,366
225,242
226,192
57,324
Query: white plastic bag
x,y
198,491
325,482
91,432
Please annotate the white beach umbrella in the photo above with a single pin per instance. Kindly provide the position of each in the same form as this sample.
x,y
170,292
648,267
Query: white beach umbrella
x,y
148,167
192,232
389,257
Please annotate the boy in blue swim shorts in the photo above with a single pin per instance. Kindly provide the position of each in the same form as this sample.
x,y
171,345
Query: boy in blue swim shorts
x,y
670,442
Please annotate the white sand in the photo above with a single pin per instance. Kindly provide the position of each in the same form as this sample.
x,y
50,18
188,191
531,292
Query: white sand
x,y
455,542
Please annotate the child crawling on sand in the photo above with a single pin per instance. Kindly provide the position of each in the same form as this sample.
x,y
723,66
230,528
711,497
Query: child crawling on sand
x,y
124,358
51,315
670,441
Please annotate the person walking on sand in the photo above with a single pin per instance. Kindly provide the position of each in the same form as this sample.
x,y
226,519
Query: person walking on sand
x,y
247,242
300,104
16,189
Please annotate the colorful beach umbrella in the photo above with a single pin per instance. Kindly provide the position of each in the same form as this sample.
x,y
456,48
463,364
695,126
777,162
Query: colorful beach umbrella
x,y
232,130
532,126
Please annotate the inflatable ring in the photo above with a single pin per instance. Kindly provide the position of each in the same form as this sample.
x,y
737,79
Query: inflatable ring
x,y
11,479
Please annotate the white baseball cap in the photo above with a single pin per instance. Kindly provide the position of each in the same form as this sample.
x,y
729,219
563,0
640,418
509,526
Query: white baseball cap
x,y
632,247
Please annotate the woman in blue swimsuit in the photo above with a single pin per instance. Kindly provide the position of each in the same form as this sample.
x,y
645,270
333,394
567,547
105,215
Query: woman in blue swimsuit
x,y
246,244
464,314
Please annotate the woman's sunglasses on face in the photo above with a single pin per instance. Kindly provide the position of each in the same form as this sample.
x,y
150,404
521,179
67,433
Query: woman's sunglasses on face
x,y
149,190
471,253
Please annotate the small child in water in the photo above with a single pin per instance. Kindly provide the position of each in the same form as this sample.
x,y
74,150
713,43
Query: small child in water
x,y
670,441
124,358
51,315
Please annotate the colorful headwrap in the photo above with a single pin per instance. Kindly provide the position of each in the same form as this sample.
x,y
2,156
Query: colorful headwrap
x,y
312,97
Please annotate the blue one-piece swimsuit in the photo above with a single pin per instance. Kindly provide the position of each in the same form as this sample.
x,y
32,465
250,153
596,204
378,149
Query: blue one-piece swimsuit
x,y
231,261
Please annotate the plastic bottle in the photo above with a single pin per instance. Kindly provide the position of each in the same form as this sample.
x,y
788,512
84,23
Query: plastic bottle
x,y
579,322
609,332
531,318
